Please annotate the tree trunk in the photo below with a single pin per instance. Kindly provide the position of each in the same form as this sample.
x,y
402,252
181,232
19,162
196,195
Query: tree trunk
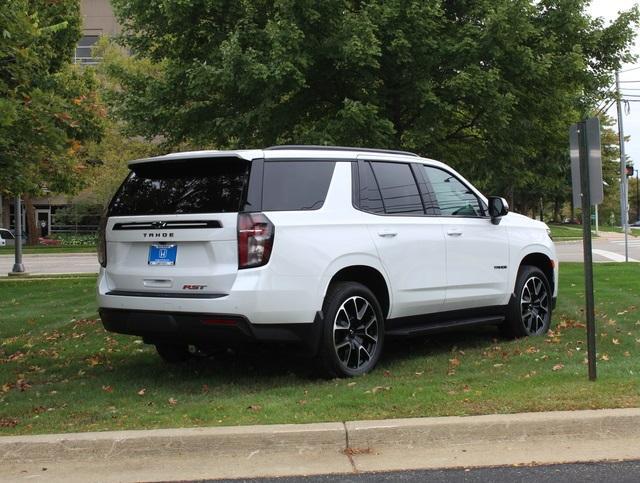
x,y
30,221
573,210
6,207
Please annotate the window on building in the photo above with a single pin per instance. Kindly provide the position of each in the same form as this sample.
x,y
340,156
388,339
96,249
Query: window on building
x,y
84,50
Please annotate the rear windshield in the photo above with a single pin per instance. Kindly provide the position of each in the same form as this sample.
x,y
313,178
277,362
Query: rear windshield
x,y
209,185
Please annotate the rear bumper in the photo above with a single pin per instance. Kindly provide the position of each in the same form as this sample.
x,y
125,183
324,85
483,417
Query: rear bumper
x,y
208,329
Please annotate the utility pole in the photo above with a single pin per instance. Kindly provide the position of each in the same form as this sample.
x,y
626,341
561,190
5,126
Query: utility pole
x,y
18,267
624,201
637,196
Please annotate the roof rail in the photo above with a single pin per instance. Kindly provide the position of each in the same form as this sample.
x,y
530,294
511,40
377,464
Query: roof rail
x,y
338,148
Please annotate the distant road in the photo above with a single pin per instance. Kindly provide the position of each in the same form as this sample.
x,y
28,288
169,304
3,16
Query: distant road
x,y
607,248
53,263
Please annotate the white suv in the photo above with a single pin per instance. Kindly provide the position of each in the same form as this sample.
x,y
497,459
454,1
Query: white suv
x,y
333,248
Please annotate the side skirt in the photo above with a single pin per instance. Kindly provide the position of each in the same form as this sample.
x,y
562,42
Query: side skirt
x,y
445,321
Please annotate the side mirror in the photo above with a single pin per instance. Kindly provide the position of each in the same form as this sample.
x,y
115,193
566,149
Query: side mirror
x,y
498,207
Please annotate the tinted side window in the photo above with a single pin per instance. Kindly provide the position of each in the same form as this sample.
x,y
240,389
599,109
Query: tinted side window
x,y
177,187
454,198
370,199
398,187
295,185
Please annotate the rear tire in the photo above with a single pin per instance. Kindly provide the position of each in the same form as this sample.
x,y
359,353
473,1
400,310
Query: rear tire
x,y
529,311
173,353
353,335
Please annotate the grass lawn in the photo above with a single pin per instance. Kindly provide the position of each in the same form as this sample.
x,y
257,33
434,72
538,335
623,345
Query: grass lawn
x,y
30,250
566,232
61,372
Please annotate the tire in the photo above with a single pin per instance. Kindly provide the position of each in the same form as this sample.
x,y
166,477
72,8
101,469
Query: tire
x,y
353,335
173,353
529,311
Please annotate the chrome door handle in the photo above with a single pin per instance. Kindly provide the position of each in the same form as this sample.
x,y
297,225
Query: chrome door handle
x,y
454,233
387,233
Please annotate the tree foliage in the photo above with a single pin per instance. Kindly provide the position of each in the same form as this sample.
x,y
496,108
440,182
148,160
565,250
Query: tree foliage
x,y
47,107
489,86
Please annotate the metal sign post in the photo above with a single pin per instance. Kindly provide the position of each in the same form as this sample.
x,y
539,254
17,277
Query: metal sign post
x,y
18,267
586,174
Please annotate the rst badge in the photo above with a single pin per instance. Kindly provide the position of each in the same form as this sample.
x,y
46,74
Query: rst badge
x,y
193,286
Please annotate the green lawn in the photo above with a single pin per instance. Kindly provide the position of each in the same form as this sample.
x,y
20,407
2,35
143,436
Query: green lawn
x,y
574,232
559,232
30,250
61,372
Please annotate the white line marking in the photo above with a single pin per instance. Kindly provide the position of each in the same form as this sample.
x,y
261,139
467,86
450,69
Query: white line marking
x,y
616,257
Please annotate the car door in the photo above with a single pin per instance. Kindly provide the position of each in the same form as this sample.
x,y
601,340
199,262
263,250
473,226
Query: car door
x,y
477,251
410,244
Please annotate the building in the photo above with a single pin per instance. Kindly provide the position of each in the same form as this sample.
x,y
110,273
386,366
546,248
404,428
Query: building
x,y
97,19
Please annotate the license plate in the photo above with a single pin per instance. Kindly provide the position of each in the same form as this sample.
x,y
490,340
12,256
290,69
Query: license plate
x,y
162,254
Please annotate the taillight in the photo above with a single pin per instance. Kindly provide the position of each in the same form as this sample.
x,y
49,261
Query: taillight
x,y
255,239
101,243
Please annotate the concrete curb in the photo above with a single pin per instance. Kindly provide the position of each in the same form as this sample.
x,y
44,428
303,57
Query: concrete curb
x,y
452,431
212,442
359,437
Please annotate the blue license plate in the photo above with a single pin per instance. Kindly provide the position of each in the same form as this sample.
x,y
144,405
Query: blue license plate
x,y
163,254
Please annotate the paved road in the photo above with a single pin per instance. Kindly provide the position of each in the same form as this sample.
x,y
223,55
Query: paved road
x,y
611,472
607,248
53,263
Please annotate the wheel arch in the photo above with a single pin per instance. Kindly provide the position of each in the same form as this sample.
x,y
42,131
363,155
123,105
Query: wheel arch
x,y
370,277
542,261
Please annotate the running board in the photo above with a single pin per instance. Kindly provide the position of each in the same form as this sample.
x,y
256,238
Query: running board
x,y
444,326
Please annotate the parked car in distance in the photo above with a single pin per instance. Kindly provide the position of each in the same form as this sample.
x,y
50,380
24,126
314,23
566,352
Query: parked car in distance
x,y
6,238
635,223
332,248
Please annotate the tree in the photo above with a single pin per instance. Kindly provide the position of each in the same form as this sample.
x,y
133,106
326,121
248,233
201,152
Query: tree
x,y
48,108
489,86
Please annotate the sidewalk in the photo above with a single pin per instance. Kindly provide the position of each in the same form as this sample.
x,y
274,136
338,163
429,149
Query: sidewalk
x,y
288,450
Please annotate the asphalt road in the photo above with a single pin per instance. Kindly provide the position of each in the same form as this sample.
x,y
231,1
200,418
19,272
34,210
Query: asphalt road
x,y
611,472
604,249
53,263
607,248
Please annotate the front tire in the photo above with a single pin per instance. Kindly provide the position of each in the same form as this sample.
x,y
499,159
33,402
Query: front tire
x,y
529,311
353,334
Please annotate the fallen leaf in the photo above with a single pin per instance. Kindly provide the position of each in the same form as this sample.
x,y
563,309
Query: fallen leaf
x,y
351,384
22,384
7,387
173,401
8,422
557,367
615,341
142,391
379,388
455,362
205,389
627,353
255,407
107,388
605,357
